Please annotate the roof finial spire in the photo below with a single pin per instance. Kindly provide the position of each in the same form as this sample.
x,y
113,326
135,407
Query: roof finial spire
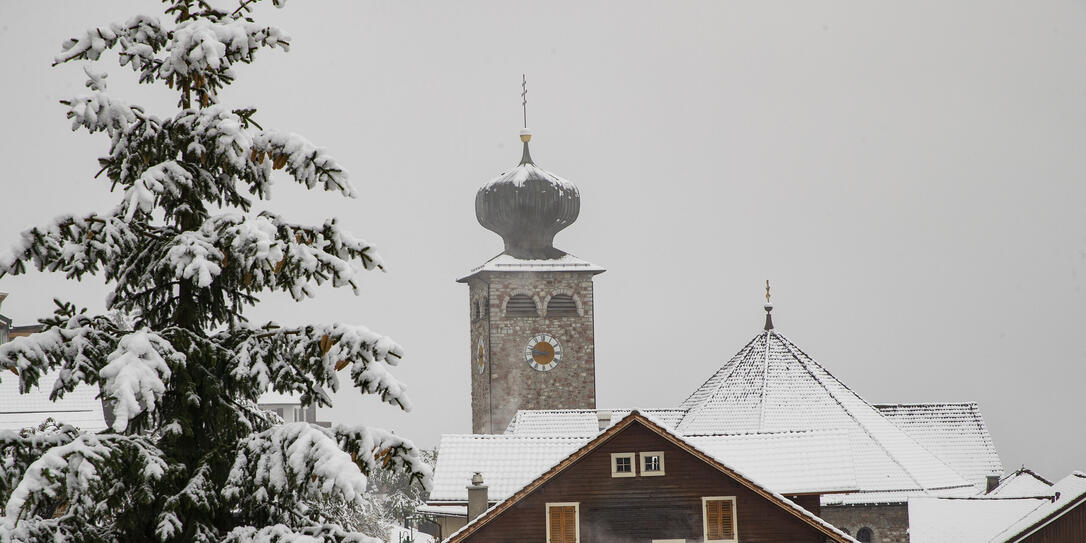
x,y
525,134
768,308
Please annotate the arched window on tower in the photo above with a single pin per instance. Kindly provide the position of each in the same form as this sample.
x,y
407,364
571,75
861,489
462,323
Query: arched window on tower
x,y
562,305
521,305
865,535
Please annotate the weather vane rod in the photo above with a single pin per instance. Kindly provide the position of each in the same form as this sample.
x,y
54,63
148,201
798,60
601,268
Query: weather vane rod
x,y
767,291
524,97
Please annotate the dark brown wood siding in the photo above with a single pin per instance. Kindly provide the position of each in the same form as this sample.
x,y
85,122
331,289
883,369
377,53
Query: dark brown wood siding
x,y
1071,527
640,509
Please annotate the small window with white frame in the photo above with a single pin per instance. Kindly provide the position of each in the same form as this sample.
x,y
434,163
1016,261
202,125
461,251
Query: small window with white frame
x,y
718,516
622,465
652,463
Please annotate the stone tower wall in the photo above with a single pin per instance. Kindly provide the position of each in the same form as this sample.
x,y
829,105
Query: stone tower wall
x,y
508,383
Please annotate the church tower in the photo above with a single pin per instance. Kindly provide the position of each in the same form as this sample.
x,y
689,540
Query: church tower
x,y
532,338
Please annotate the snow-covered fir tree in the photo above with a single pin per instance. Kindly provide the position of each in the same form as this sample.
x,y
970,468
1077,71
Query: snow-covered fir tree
x,y
189,456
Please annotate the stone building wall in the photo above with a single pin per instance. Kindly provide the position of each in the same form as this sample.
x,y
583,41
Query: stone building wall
x,y
888,523
507,383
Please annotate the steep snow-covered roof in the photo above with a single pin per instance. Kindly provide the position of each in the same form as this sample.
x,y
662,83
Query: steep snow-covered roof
x,y
1022,483
773,386
80,408
508,263
506,462
955,432
942,520
1069,492
789,463
578,422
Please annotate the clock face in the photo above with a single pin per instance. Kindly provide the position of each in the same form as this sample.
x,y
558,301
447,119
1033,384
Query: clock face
x,y
480,357
543,352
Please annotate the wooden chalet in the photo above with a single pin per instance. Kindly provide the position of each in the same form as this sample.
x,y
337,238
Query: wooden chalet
x,y
639,482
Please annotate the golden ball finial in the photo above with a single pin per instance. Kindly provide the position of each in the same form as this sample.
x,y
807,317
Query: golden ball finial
x,y
525,135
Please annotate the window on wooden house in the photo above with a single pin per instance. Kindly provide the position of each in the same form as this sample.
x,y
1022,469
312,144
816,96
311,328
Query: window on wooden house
x,y
622,465
563,523
521,305
652,463
865,535
719,518
562,305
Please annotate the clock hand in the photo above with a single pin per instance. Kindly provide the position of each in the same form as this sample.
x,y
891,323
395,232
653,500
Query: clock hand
x,y
544,353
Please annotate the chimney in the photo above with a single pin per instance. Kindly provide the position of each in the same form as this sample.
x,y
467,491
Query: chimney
x,y
603,417
992,481
477,498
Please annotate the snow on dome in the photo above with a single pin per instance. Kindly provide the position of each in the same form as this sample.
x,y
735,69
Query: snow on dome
x,y
527,206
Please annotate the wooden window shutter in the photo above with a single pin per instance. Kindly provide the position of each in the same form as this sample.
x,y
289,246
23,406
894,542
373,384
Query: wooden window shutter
x,y
719,520
563,524
727,523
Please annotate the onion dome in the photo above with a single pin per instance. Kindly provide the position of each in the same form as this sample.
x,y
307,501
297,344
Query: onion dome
x,y
527,206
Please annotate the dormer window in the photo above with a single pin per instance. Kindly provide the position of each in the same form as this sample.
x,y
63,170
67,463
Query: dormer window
x,y
562,305
521,305
622,465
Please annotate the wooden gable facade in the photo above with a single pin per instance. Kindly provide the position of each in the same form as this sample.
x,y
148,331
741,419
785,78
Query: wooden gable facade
x,y
639,483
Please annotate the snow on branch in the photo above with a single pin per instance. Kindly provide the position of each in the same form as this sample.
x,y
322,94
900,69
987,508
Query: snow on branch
x,y
193,256
76,480
280,533
19,449
73,245
100,112
168,178
305,361
218,134
288,462
196,55
310,165
79,346
374,448
202,45
134,379
140,37
265,252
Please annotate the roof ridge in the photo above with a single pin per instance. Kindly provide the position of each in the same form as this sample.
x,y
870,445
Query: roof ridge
x,y
765,381
919,404
771,432
512,436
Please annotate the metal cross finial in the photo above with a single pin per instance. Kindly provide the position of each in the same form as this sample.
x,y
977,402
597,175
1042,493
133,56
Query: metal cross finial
x,y
767,291
524,97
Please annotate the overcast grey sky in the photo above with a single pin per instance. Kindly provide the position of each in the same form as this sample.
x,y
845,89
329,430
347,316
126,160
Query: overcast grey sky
x,y
909,176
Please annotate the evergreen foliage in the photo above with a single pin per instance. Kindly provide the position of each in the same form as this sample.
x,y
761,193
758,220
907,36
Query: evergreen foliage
x,y
189,456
